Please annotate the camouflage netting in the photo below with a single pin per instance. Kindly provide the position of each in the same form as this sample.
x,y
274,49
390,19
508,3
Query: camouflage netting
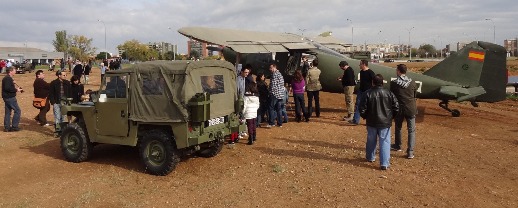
x,y
161,90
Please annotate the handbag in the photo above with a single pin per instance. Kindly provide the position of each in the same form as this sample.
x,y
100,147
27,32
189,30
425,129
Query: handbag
x,y
39,102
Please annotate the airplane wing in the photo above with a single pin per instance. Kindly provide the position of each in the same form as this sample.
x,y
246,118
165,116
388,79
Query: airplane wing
x,y
243,41
462,94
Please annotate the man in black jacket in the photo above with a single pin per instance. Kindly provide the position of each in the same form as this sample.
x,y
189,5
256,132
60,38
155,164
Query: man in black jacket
x,y
9,91
59,90
348,83
405,90
41,90
78,70
366,77
378,106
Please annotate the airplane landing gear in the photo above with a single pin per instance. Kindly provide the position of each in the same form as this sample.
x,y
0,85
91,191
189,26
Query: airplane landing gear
x,y
454,112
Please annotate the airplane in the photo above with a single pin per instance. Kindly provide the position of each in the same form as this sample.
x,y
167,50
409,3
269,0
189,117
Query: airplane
x,y
477,73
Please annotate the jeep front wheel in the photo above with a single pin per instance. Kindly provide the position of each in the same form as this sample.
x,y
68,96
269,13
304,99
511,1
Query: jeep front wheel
x,y
158,153
75,145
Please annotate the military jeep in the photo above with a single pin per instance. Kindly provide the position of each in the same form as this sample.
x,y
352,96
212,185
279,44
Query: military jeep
x,y
167,109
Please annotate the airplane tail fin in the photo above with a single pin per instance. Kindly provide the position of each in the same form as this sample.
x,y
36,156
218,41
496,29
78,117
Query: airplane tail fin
x,y
478,64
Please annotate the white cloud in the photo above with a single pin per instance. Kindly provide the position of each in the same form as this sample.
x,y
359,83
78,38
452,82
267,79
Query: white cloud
x,y
434,21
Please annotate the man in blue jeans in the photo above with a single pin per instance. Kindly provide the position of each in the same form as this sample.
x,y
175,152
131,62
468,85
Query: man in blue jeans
x,y
405,90
9,91
366,77
277,92
378,106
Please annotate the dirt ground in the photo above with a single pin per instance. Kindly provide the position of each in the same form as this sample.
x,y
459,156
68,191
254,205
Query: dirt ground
x,y
468,161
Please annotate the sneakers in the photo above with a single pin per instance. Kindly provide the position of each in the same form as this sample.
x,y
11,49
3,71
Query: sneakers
x,y
14,129
244,134
268,126
384,168
410,156
352,122
394,147
7,129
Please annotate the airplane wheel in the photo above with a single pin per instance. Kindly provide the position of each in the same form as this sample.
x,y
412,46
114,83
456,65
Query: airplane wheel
x,y
455,113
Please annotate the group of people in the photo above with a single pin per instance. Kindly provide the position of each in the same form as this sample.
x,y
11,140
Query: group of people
x,y
379,106
52,95
262,100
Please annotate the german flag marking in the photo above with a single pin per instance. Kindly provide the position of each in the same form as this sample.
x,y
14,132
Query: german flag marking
x,y
476,56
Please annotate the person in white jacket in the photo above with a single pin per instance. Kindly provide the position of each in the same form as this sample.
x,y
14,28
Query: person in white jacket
x,y
251,101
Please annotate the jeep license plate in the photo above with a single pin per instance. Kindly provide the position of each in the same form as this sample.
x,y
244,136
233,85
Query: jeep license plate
x,y
215,121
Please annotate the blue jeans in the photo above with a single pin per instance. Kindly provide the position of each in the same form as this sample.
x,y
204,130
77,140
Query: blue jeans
x,y
311,95
284,112
11,104
275,110
300,108
410,124
384,140
356,118
58,118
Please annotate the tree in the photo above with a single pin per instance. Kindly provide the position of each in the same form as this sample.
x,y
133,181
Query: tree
x,y
102,55
136,51
194,54
61,42
81,47
426,49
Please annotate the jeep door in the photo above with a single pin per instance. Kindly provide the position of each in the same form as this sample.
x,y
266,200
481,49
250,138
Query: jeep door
x,y
112,108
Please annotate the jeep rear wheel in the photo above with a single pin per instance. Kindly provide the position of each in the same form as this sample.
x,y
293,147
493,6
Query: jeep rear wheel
x,y
158,153
213,150
75,145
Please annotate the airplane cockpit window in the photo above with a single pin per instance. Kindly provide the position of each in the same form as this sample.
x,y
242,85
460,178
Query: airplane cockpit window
x,y
213,84
115,87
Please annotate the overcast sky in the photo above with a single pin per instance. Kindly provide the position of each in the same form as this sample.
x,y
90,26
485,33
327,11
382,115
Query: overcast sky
x,y
34,22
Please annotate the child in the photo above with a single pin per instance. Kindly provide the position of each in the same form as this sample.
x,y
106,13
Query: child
x,y
251,101
284,115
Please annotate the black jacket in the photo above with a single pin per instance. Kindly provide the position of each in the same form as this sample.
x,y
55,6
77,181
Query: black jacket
x,y
76,91
378,106
8,88
366,79
55,89
404,89
348,77
78,70
41,88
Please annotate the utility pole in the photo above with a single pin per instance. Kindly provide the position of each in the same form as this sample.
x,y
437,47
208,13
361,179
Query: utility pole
x,y
494,33
106,50
302,32
409,47
352,33
175,47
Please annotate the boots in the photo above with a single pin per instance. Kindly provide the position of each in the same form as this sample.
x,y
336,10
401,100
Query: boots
x,y
251,139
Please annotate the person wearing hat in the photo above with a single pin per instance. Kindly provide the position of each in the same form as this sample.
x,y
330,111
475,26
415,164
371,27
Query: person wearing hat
x,y
348,83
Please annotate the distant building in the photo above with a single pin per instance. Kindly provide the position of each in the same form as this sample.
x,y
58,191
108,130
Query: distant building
x,y
200,47
35,55
511,47
161,47
461,45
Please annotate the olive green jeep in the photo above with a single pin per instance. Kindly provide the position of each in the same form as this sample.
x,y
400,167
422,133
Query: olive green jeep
x,y
168,109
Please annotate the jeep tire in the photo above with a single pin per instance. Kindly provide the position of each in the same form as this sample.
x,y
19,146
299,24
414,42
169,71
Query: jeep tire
x,y
158,152
75,145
